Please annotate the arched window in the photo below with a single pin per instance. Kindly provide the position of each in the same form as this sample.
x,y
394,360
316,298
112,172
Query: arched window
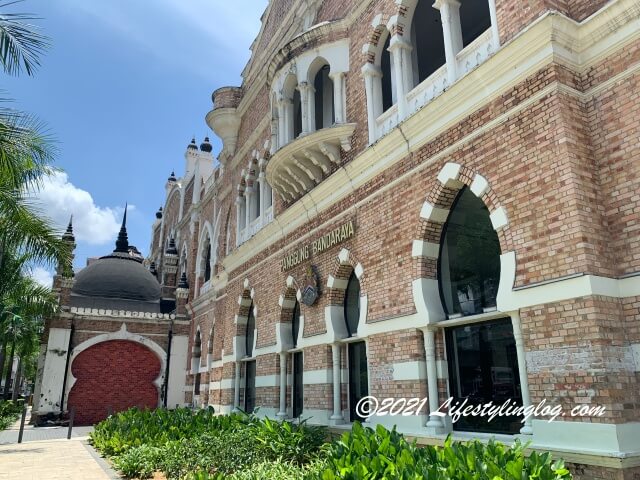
x,y
250,386
427,40
251,326
210,345
324,106
469,263
388,97
352,304
297,114
295,324
207,264
195,362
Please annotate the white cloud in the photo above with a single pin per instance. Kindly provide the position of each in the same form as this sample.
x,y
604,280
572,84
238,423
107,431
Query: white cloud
x,y
58,199
42,276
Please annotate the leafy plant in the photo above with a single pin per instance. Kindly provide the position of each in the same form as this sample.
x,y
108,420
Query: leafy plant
x,y
9,412
139,462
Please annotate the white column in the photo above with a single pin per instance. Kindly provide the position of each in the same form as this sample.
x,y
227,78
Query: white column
x,y
236,388
288,120
304,88
263,182
373,86
452,32
282,140
282,414
274,135
338,96
435,423
311,108
401,52
248,193
239,201
336,418
522,371
494,24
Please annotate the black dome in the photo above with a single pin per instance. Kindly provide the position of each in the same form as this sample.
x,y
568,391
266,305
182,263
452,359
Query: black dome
x,y
206,146
117,277
192,145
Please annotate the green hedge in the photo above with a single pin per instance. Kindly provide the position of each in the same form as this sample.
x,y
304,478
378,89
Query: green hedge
x,y
196,445
9,412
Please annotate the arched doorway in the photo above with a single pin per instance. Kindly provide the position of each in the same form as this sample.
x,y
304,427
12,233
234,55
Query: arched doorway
x,y
113,376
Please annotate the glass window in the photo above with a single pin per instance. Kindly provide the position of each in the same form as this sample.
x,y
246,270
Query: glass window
x,y
250,386
385,66
196,390
352,304
323,86
207,265
483,367
295,324
251,326
297,114
358,377
298,399
469,269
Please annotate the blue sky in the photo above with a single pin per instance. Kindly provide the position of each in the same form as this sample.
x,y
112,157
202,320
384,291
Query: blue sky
x,y
124,87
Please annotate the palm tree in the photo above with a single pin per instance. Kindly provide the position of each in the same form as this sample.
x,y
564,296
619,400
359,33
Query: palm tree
x,y
26,151
25,303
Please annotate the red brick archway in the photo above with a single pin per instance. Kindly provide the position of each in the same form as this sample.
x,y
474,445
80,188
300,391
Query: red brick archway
x,y
113,375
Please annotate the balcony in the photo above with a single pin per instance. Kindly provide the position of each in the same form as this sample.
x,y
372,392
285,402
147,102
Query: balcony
x,y
255,226
302,164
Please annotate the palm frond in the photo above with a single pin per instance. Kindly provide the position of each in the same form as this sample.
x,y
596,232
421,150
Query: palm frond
x,y
26,150
24,229
21,44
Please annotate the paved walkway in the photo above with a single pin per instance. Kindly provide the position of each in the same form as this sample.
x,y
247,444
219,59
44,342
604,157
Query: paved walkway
x,y
32,433
46,454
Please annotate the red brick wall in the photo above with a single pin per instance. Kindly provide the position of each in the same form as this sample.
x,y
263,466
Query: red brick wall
x,y
116,374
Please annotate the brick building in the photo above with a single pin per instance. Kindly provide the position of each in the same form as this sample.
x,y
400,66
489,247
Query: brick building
x,y
115,343
419,200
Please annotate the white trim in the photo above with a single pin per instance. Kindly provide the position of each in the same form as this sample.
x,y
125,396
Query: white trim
x,y
420,248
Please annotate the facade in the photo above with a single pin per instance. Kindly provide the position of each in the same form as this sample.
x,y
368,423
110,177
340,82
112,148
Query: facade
x,y
415,200
114,341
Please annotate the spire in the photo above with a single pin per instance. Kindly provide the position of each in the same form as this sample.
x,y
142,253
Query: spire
x,y
122,243
68,235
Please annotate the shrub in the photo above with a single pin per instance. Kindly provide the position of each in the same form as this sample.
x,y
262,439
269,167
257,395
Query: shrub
x,y
370,454
136,427
277,470
139,462
9,412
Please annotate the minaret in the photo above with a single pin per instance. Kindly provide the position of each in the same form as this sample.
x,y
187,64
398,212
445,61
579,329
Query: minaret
x,y
63,279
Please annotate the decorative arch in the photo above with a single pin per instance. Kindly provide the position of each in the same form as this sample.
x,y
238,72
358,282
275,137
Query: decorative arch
x,y
245,302
375,40
345,265
205,242
433,216
122,334
287,301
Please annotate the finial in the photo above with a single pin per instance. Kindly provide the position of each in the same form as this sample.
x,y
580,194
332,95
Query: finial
x,y
122,243
68,235
183,281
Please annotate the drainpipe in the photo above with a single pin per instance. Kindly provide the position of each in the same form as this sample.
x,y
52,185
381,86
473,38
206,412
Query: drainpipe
x,y
166,374
66,367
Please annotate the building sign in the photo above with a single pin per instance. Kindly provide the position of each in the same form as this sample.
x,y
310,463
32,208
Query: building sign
x,y
302,254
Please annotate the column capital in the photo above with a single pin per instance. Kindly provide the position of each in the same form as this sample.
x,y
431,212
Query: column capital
x,y
305,87
398,42
371,70
438,4
337,75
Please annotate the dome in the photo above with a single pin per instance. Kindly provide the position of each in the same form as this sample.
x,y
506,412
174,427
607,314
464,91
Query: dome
x,y
117,276
192,145
172,177
117,281
206,146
